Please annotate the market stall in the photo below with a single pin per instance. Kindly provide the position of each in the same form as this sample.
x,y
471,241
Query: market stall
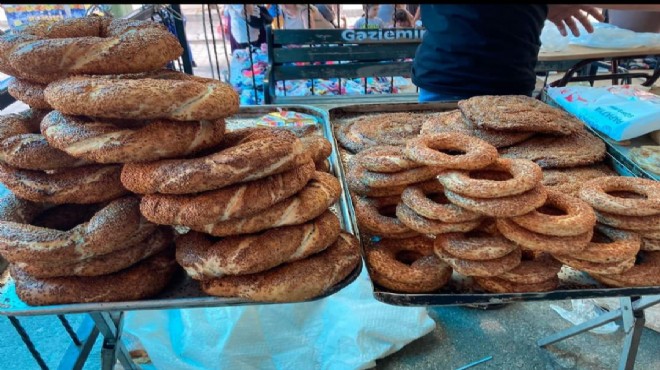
x,y
175,196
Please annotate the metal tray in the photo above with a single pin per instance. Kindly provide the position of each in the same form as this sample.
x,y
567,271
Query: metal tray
x,y
184,292
461,290
616,149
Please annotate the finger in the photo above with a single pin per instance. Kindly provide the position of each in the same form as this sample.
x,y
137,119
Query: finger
x,y
584,19
594,12
570,22
560,27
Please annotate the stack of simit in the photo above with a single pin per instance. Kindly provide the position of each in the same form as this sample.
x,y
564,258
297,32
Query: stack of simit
x,y
70,230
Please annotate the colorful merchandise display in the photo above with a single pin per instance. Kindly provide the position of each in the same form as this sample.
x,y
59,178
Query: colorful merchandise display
x,y
21,14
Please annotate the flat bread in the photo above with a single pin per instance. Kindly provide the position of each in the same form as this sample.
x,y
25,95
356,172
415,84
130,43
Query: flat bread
x,y
570,180
517,113
365,131
647,157
455,121
578,149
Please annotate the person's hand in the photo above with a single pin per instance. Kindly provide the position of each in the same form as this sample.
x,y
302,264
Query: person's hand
x,y
565,15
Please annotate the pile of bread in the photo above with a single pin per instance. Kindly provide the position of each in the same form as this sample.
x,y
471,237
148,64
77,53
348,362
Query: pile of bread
x,y
124,149
436,195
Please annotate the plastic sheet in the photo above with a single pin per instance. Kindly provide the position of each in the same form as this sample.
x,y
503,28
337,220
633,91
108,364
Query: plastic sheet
x,y
348,330
585,310
551,39
608,36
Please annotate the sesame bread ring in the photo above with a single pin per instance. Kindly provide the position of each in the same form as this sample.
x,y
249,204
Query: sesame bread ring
x,y
570,180
511,206
354,176
378,215
69,233
30,93
296,281
482,244
129,141
142,280
642,223
79,185
645,272
454,121
649,234
385,159
488,268
259,154
407,265
205,258
596,192
90,45
104,264
536,270
428,200
650,245
597,268
390,180
377,235
158,95
575,216
22,145
500,285
609,245
321,192
369,130
318,147
525,176
231,202
425,149
425,225
564,245
323,166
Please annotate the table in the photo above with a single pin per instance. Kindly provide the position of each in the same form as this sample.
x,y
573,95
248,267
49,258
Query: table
x,y
575,57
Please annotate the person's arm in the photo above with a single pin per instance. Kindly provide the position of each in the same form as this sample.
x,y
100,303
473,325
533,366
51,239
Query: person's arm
x,y
418,14
566,15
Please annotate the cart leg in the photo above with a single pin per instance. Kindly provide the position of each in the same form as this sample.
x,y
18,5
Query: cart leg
x,y
83,341
578,329
633,325
28,342
110,325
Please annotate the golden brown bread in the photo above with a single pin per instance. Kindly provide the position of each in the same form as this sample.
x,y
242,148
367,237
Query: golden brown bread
x,y
205,258
370,130
230,202
114,226
22,145
80,185
517,113
577,149
104,264
30,93
140,281
569,180
296,281
320,193
257,155
129,141
175,96
92,45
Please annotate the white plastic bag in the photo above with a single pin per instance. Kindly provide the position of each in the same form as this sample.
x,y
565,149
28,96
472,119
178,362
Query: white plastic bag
x,y
621,112
348,330
551,39
584,310
608,36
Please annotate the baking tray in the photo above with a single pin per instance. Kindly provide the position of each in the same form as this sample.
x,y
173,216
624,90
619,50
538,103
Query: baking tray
x,y
462,290
618,150
184,292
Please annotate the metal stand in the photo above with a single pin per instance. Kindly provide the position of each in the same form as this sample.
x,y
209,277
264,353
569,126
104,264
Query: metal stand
x,y
632,313
110,325
75,356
